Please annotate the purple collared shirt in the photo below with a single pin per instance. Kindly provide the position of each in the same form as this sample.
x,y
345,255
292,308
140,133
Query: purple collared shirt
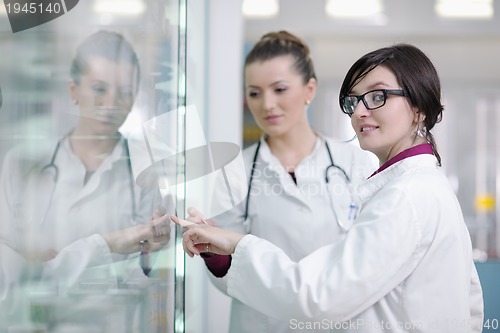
x,y
424,148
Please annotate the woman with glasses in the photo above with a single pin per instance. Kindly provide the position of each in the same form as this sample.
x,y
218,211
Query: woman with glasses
x,y
295,174
406,262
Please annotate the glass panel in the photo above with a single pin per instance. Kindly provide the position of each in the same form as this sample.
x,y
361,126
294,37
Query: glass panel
x,y
89,150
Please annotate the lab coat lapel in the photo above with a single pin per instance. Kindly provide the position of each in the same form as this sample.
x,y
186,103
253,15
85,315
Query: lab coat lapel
x,y
375,183
96,179
287,184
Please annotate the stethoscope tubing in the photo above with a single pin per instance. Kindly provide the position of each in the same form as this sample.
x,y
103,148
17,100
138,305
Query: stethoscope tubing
x,y
332,165
52,165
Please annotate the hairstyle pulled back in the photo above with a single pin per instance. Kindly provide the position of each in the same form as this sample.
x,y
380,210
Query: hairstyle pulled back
x,y
106,44
283,43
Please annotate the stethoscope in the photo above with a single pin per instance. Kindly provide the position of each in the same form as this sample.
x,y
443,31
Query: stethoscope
x,y
352,207
55,171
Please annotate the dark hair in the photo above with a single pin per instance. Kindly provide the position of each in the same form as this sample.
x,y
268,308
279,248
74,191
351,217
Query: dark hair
x,y
109,45
416,75
282,43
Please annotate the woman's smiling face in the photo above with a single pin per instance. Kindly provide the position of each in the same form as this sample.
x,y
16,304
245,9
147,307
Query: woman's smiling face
x,y
390,129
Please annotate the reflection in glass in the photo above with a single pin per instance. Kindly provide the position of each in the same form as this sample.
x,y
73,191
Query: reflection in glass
x,y
83,246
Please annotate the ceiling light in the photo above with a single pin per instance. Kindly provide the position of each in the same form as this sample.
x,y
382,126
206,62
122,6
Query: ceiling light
x,y
465,8
119,7
354,8
260,8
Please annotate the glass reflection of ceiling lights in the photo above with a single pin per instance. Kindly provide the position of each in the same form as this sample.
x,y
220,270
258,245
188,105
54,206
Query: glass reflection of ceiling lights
x,y
471,9
373,10
260,8
119,7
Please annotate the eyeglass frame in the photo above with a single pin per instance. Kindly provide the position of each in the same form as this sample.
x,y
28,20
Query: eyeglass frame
x,y
397,92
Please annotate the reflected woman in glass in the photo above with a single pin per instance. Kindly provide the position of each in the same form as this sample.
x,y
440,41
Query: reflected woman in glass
x,y
71,207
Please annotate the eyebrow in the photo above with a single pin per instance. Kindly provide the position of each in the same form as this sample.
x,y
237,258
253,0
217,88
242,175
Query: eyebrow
x,y
272,84
106,83
374,85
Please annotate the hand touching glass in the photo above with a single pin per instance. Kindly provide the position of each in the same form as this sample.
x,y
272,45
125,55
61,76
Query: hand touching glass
x,y
198,238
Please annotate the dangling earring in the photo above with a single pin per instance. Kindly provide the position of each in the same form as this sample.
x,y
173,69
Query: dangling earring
x,y
421,131
308,102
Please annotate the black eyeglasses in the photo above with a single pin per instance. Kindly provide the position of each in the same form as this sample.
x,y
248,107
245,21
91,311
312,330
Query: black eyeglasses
x,y
372,100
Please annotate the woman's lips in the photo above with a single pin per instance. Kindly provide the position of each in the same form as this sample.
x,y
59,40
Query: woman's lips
x,y
273,119
367,128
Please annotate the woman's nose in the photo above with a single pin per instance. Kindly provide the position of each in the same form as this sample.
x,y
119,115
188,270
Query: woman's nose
x,y
268,102
360,110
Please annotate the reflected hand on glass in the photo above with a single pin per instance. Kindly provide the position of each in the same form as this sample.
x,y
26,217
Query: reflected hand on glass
x,y
161,229
126,241
198,238
36,254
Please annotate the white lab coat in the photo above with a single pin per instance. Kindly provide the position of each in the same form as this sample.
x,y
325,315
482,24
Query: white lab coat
x,y
75,220
296,218
405,265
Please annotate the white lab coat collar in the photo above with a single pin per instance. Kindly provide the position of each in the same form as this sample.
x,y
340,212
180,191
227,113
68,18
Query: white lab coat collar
x,y
373,184
267,156
274,164
116,155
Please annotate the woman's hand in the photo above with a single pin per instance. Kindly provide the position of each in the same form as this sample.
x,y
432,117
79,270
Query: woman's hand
x,y
156,233
200,238
195,216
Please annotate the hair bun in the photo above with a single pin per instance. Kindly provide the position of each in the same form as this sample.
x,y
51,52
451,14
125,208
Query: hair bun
x,y
285,38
